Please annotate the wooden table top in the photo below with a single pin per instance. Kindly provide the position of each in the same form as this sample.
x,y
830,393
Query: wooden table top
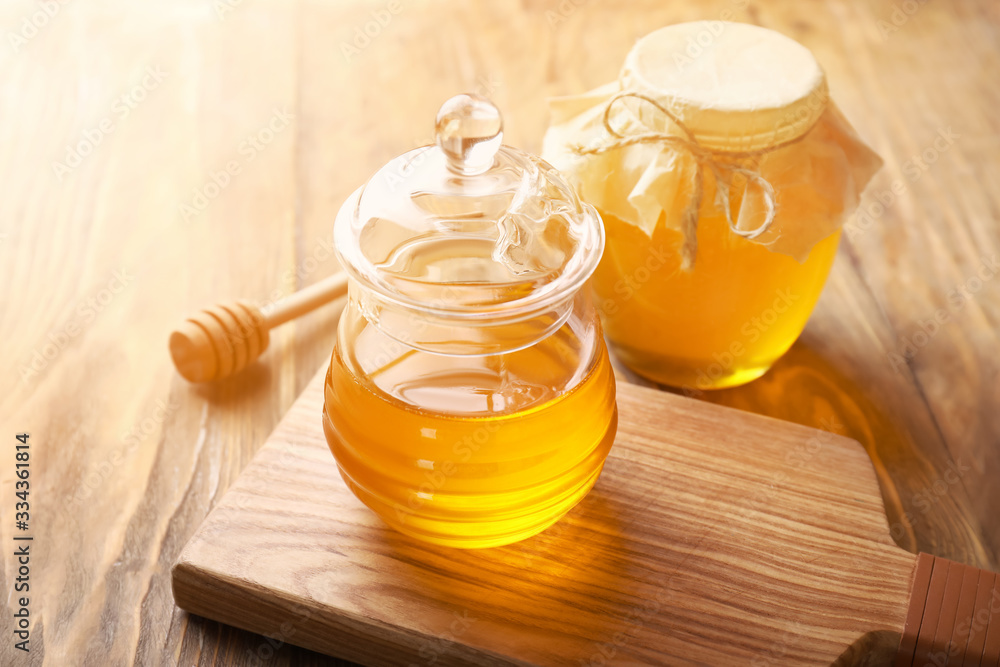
x,y
160,157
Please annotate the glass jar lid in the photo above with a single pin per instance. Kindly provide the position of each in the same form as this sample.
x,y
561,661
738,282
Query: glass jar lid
x,y
469,226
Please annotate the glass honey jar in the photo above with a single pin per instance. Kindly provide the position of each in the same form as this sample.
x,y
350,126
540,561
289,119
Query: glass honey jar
x,y
723,172
470,401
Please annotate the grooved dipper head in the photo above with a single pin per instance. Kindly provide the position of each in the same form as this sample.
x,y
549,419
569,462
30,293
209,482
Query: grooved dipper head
x,y
219,341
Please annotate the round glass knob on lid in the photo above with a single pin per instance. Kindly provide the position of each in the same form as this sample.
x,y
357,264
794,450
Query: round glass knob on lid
x,y
469,129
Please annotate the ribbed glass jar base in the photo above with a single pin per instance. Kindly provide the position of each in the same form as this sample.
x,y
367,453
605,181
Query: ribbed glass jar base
x,y
476,452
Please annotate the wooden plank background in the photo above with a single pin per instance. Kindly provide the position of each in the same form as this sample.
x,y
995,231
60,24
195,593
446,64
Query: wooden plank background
x,y
158,157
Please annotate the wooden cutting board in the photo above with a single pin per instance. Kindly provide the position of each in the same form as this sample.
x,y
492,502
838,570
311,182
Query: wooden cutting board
x,y
713,537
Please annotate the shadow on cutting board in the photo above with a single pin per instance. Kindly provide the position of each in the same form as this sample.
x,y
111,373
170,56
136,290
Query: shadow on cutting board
x,y
805,387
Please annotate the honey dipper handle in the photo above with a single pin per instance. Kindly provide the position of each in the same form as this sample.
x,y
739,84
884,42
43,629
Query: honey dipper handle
x,y
953,616
305,300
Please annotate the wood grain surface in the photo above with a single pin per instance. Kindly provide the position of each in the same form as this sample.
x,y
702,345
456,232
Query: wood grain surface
x,y
261,116
713,537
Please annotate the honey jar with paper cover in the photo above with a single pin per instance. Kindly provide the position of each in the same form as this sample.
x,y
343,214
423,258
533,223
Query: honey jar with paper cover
x,y
723,172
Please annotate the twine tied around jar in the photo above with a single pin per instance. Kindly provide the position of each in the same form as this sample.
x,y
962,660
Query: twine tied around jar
x,y
724,165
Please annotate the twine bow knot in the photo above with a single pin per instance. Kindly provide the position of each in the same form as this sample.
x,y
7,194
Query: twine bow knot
x,y
723,164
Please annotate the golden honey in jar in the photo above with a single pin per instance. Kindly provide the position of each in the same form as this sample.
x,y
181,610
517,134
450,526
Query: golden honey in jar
x,y
723,173
470,401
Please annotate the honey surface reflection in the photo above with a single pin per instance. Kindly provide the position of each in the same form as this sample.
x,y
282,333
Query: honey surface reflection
x,y
805,388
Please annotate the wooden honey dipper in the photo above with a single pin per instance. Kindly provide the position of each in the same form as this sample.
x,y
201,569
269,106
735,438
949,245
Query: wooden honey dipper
x,y
224,339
